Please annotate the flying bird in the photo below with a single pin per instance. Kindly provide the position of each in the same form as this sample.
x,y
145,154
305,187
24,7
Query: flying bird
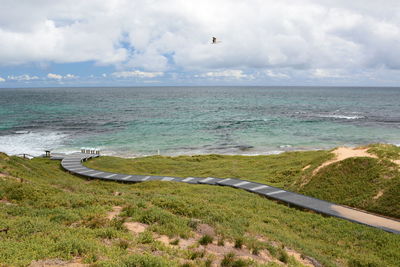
x,y
214,40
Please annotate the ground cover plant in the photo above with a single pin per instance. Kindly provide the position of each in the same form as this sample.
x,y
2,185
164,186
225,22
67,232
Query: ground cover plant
x,y
48,215
371,184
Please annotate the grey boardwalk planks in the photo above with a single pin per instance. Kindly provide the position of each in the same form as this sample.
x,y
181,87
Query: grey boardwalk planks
x,y
73,164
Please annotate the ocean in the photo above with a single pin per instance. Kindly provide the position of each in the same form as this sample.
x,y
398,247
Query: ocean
x,y
140,121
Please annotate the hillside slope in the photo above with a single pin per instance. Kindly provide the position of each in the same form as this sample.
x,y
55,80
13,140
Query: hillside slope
x,y
48,216
371,183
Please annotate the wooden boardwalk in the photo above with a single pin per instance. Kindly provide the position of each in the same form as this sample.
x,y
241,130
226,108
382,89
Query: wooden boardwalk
x,y
73,164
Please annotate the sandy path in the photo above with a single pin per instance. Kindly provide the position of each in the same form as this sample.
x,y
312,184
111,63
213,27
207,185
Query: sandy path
x,y
320,206
367,218
342,153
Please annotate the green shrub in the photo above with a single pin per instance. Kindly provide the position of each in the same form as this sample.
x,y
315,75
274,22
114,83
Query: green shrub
x,y
208,263
107,233
255,251
205,240
95,222
174,242
283,256
274,251
193,224
22,192
239,242
118,223
144,260
91,258
194,254
361,263
75,247
240,263
145,238
64,216
122,243
228,260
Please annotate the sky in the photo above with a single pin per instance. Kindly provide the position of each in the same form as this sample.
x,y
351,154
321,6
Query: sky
x,y
168,42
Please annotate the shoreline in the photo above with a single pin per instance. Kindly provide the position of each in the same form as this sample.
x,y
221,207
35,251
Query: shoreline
x,y
37,149
243,153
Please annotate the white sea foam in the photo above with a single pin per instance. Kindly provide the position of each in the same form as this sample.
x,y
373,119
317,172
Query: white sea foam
x,y
22,132
33,143
339,116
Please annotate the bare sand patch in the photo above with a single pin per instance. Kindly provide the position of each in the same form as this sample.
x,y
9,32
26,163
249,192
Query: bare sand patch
x,y
220,251
116,210
57,262
300,258
6,175
6,202
380,193
306,167
163,239
217,252
136,227
187,243
342,153
205,229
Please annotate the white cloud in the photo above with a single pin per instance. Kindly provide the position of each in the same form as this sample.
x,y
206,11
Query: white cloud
x,y
60,77
54,76
24,77
167,35
136,73
2,79
274,74
238,74
327,73
70,76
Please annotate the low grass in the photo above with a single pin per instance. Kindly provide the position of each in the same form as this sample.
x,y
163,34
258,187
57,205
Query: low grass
x,y
279,170
354,182
358,182
51,214
385,151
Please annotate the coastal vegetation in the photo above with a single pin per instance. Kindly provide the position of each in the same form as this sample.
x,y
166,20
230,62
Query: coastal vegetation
x,y
50,216
371,183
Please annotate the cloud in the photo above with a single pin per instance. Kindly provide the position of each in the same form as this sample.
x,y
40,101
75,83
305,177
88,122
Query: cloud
x,y
238,74
24,77
327,73
274,74
137,74
70,76
54,76
160,36
60,77
2,79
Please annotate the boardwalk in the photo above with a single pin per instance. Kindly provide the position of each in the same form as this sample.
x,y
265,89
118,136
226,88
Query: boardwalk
x,y
73,164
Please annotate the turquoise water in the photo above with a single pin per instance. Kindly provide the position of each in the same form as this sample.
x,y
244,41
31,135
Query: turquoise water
x,y
196,120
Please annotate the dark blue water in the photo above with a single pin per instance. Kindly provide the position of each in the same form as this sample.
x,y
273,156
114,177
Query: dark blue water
x,y
192,120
